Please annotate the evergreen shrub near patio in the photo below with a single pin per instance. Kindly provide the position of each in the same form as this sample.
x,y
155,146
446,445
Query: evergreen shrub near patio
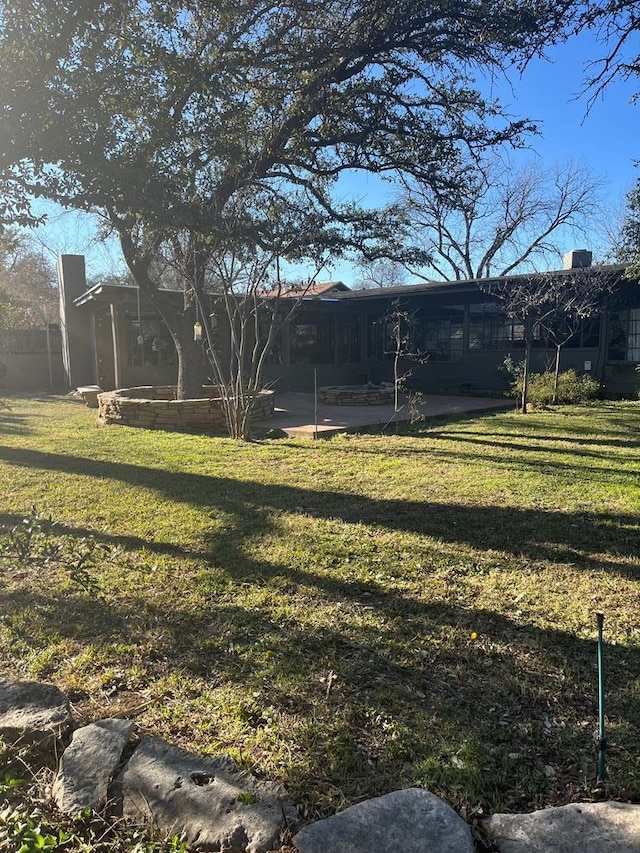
x,y
573,387
349,616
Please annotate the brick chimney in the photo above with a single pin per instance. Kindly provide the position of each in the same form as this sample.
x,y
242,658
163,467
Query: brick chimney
x,y
577,259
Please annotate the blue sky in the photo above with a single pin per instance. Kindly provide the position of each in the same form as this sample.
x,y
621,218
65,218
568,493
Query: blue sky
x,y
605,138
604,135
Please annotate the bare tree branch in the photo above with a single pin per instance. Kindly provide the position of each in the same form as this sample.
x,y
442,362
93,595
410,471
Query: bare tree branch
x,y
495,220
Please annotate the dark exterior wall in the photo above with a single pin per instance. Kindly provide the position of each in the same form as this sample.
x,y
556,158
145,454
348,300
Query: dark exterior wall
x,y
292,368
474,370
292,365
622,380
478,373
480,370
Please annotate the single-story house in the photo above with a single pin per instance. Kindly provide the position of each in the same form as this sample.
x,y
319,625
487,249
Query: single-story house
x,y
113,337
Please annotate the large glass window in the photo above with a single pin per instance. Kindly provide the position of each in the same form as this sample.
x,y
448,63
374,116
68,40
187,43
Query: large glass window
x,y
275,353
348,340
149,343
586,336
436,335
324,338
375,336
439,337
623,342
312,339
490,328
389,335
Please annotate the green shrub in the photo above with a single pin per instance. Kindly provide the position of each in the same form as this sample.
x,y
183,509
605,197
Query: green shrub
x,y
28,825
34,542
573,387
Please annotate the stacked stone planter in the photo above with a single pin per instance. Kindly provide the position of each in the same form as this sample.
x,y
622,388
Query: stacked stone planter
x,y
155,407
356,395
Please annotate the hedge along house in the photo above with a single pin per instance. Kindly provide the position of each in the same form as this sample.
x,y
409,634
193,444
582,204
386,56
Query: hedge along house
x,y
113,337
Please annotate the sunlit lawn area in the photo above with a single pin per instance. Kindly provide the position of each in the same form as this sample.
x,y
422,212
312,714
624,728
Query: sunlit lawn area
x,y
347,616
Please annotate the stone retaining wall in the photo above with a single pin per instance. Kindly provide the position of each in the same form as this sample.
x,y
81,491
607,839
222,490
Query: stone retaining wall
x,y
356,395
155,407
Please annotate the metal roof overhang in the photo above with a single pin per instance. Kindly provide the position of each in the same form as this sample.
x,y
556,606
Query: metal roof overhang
x,y
114,293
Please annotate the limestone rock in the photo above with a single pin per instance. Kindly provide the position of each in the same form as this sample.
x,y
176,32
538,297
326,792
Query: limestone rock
x,y
33,714
576,828
409,821
216,805
88,764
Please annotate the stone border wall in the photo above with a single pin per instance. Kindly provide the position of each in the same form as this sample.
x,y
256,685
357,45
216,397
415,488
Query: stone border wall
x,y
155,407
356,395
211,802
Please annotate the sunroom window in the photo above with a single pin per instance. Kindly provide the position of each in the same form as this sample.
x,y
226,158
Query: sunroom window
x,y
624,335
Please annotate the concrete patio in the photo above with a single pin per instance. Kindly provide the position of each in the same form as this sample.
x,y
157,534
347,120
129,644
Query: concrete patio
x,y
295,413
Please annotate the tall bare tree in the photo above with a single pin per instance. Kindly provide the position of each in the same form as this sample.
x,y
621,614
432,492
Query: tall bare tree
x,y
382,272
28,278
494,219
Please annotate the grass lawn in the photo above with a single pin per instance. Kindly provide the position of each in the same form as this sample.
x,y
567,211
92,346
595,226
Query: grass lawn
x,y
346,616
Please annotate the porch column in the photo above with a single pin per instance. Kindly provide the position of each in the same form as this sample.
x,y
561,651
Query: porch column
x,y
118,352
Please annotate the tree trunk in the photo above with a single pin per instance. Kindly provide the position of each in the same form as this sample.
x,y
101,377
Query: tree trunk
x,y
556,374
189,384
528,328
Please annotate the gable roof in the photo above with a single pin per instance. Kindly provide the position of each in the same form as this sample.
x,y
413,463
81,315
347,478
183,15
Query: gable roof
x,y
317,288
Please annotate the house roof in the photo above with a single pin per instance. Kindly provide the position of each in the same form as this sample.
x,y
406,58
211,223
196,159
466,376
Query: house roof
x,y
110,292
338,291
117,293
466,285
317,288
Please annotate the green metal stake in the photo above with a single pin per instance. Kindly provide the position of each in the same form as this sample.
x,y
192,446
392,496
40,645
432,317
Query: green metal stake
x,y
602,743
315,402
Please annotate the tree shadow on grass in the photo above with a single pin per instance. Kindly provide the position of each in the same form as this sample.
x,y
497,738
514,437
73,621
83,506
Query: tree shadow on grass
x,y
393,690
535,534
399,692
13,423
523,448
527,460
615,439
531,450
